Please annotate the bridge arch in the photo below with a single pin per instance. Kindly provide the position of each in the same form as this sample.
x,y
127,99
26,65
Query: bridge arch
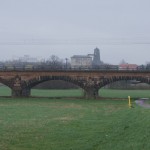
x,y
91,88
6,88
35,81
40,79
91,81
112,79
6,82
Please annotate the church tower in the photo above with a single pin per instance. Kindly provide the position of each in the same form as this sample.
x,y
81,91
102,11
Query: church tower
x,y
96,58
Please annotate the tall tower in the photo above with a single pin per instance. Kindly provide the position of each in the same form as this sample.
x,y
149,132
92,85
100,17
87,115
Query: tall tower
x,y
96,58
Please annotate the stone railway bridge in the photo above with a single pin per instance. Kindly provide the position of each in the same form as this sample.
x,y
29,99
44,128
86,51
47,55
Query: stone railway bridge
x,y
21,82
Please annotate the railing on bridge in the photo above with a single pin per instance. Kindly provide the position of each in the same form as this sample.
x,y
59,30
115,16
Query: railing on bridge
x,y
46,67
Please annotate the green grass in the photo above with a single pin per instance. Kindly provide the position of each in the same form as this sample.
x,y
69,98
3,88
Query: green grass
x,y
57,93
124,93
48,124
5,91
102,92
73,124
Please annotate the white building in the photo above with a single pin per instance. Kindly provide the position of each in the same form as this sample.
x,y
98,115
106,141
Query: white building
x,y
81,61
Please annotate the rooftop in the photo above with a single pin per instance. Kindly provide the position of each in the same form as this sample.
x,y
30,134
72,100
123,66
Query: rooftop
x,y
128,66
81,56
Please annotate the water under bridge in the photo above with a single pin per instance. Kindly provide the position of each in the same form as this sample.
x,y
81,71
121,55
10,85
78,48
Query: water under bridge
x,y
21,82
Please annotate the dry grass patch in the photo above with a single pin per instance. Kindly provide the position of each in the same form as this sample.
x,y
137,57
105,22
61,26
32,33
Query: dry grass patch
x,y
64,119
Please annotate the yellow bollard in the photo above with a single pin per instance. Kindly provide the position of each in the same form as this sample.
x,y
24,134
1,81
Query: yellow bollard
x,y
129,102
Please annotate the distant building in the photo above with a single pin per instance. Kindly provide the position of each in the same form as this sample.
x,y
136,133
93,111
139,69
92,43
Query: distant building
x,y
86,61
81,61
128,67
96,57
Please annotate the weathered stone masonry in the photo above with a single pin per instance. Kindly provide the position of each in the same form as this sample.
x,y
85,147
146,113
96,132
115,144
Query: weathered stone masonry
x,y
21,82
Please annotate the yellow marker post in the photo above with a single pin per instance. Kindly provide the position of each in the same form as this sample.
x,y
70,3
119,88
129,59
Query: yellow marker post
x,y
129,102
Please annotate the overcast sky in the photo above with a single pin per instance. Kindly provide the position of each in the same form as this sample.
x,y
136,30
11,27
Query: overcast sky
x,y
40,28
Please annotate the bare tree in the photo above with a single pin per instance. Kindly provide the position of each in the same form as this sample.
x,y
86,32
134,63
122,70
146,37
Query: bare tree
x,y
54,61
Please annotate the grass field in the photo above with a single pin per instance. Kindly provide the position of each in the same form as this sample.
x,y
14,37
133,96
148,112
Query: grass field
x,y
124,93
57,93
103,93
5,91
73,124
48,124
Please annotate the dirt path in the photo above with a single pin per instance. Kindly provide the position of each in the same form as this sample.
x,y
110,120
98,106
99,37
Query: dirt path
x,y
143,102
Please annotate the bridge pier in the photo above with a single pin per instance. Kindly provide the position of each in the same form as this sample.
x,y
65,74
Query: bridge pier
x,y
18,92
91,92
